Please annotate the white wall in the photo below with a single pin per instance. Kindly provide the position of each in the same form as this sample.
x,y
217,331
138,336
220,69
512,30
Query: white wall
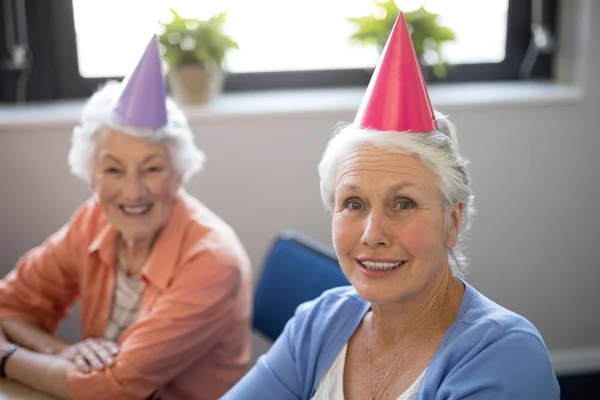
x,y
535,169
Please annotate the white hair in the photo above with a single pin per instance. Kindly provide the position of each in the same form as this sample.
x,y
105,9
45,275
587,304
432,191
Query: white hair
x,y
437,149
98,116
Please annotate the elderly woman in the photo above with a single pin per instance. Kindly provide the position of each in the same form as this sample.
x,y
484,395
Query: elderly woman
x,y
164,284
409,327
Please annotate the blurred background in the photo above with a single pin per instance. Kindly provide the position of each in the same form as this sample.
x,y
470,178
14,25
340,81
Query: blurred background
x,y
263,84
63,49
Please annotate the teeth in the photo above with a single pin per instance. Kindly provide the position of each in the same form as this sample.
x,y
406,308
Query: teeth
x,y
380,265
136,210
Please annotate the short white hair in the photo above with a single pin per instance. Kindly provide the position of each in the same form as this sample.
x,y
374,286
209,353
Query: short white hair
x,y
437,149
98,115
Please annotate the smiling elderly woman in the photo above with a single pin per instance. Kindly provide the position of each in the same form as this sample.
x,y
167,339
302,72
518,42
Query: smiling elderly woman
x,y
409,327
164,284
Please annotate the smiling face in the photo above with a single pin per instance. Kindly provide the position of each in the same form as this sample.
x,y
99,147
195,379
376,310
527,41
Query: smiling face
x,y
391,227
135,182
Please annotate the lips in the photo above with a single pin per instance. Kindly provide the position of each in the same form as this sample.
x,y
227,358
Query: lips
x,y
135,210
380,265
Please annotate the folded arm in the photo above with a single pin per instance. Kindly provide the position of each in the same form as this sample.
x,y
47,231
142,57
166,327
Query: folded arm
x,y
39,292
43,372
32,337
186,321
34,298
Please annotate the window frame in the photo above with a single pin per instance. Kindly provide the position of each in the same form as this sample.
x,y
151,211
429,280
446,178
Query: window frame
x,y
55,73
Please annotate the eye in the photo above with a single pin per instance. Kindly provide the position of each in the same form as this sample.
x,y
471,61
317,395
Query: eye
x,y
155,168
353,205
405,204
111,171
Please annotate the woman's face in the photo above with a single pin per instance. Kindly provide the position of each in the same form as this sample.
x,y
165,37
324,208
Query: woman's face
x,y
391,227
135,182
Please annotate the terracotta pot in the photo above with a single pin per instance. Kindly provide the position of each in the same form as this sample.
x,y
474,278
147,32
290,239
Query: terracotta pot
x,y
193,84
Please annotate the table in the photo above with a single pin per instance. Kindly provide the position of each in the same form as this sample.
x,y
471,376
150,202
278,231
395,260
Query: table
x,y
11,390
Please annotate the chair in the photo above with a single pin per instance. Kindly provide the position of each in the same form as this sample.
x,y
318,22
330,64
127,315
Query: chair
x,y
298,269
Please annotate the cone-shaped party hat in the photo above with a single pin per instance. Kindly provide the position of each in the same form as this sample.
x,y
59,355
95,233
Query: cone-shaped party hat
x,y
142,100
396,98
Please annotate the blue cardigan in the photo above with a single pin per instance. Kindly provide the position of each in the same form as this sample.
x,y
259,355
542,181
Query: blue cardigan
x,y
488,353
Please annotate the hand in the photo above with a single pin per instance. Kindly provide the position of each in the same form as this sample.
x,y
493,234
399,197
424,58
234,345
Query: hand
x,y
91,353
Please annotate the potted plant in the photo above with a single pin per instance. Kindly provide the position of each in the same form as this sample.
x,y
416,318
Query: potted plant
x,y
426,33
194,51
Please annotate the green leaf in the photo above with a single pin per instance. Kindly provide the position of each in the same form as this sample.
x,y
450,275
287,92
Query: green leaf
x,y
426,33
212,44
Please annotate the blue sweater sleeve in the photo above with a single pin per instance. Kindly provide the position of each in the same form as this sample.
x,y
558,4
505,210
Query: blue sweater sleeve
x,y
308,344
274,376
516,366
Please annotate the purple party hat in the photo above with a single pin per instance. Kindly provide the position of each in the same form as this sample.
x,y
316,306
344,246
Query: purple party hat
x,y
141,103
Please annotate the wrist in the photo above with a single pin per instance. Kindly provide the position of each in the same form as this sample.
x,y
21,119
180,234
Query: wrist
x,y
6,355
48,346
55,349
4,345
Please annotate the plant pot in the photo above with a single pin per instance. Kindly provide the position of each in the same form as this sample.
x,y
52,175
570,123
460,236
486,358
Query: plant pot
x,y
193,84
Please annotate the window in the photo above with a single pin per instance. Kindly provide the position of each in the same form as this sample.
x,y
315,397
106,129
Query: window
x,y
315,37
79,43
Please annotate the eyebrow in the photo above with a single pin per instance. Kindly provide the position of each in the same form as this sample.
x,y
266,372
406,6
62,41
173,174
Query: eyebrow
x,y
145,160
111,157
350,188
150,157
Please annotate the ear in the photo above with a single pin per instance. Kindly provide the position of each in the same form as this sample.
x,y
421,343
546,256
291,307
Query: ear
x,y
177,182
454,225
93,188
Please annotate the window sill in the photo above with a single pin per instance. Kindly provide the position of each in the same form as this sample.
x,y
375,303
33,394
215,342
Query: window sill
x,y
448,97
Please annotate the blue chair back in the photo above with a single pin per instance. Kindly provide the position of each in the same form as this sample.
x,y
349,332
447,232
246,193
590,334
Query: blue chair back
x,y
298,269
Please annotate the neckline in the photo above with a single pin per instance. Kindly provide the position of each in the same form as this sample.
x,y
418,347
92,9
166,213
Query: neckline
x,y
344,336
341,358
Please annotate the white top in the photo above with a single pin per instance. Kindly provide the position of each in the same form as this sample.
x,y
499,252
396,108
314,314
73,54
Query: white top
x,y
126,302
331,384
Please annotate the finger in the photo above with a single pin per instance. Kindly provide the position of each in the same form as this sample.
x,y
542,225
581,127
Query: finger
x,y
81,364
102,352
90,356
112,347
70,355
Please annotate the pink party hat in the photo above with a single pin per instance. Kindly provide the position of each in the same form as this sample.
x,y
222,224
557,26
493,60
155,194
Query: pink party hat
x,y
396,98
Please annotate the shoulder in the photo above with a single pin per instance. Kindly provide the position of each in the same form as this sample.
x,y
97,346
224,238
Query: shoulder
x,y
88,212
208,239
336,311
493,347
479,316
205,229
85,224
339,299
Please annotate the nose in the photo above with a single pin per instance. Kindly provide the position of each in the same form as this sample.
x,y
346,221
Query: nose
x,y
134,188
375,232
